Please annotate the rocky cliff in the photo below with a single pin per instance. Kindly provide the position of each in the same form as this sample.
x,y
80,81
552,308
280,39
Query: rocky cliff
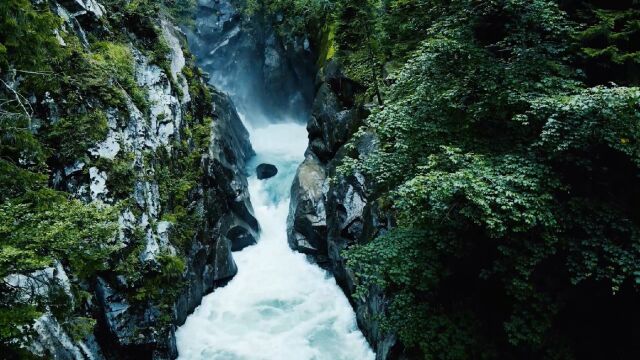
x,y
159,149
329,210
249,59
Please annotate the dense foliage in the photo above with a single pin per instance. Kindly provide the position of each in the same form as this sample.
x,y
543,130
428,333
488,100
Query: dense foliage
x,y
519,181
508,142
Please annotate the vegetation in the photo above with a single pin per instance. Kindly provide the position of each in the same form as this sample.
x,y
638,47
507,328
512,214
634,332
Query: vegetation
x,y
508,151
508,136
59,92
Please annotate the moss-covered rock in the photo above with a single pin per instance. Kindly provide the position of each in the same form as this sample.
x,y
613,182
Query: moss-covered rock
x,y
107,107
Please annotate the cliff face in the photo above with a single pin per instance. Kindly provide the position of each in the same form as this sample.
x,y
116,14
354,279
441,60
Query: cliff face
x,y
168,162
250,60
327,216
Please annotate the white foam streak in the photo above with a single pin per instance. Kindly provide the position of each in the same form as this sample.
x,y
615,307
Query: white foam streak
x,y
279,306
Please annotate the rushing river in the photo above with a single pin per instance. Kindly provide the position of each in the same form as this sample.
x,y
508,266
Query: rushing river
x,y
278,306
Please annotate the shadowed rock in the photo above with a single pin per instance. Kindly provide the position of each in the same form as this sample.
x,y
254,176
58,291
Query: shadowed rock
x,y
266,171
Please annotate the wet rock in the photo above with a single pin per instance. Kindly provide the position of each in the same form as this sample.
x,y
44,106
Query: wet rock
x,y
307,220
266,171
344,88
89,9
223,202
247,57
116,312
230,139
240,238
327,218
224,267
330,125
239,234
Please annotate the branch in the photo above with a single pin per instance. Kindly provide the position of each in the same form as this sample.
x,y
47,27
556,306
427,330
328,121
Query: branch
x,y
47,73
26,113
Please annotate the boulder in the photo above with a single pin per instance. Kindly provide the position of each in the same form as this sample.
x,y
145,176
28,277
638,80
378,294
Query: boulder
x,y
266,171
307,220
240,238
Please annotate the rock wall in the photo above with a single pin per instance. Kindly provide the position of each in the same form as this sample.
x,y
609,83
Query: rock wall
x,y
328,216
248,58
182,198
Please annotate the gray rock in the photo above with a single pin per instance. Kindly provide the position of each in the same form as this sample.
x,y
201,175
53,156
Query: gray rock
x,y
266,171
327,217
116,310
240,238
53,339
84,9
307,220
128,329
247,58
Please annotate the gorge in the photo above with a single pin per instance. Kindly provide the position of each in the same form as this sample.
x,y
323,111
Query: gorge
x,y
319,179
278,305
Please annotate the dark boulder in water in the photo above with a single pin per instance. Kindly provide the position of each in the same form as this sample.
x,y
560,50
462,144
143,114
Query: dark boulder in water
x,y
240,238
266,171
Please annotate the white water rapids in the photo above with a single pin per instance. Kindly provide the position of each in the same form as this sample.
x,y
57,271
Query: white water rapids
x,y
278,306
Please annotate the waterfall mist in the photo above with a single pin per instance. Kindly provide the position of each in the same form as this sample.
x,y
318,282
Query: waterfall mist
x,y
268,80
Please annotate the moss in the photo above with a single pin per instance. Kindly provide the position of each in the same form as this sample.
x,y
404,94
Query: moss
x,y
39,225
129,264
181,11
118,62
160,54
117,57
15,181
184,229
80,327
121,174
162,286
73,135
188,73
27,38
16,321
327,44
45,225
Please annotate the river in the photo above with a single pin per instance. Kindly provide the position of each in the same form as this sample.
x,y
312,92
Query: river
x,y
278,306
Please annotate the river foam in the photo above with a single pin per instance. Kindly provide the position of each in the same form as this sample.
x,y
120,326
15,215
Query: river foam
x,y
278,306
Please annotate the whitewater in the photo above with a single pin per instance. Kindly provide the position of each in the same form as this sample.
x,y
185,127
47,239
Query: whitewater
x,y
279,305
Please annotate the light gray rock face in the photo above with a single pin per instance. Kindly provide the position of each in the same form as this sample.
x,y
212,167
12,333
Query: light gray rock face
x,y
116,312
90,9
307,220
54,341
39,283
164,105
221,199
327,217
